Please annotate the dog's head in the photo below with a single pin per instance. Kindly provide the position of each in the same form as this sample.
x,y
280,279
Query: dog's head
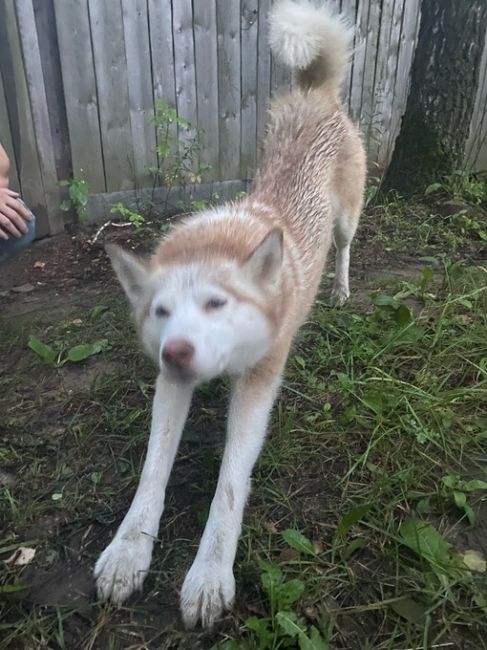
x,y
198,320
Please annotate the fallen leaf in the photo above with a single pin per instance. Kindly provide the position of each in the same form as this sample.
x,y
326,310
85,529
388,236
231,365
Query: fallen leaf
x,y
39,264
474,561
318,546
270,527
287,555
412,610
22,556
310,612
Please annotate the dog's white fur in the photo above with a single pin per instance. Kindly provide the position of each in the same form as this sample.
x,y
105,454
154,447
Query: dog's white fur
x,y
234,285
299,32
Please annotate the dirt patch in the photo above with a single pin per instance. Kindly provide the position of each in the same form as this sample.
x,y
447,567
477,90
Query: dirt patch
x,y
64,270
65,585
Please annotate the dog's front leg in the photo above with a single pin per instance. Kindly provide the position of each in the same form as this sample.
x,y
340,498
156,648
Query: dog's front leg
x,y
209,587
123,565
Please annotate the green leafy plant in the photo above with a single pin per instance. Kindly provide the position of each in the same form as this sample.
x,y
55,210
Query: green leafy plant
x,y
352,517
295,539
135,218
77,200
476,226
58,354
196,205
178,148
461,185
456,490
283,627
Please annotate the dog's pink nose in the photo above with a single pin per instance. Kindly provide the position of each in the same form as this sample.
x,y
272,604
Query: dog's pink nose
x,y
178,353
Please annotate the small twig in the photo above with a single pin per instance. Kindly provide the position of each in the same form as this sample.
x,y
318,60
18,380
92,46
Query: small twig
x,y
121,225
94,239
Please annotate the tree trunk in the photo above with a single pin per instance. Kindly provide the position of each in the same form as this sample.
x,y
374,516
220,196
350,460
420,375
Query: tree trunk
x,y
444,80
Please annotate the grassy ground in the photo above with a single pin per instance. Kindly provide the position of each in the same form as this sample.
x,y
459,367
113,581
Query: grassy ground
x,y
367,524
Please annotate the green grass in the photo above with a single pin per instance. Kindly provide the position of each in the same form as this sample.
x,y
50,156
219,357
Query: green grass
x,y
367,496
447,219
408,396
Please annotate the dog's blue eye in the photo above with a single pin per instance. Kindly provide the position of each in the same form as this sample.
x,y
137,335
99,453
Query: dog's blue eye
x,y
215,303
161,312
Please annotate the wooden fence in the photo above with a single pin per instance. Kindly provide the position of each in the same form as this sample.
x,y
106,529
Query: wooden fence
x,y
79,78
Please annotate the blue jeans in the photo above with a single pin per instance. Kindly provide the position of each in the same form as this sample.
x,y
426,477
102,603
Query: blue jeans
x,y
12,246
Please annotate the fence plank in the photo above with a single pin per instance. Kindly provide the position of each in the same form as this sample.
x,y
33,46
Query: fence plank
x,y
73,30
184,60
161,41
206,61
210,60
387,54
263,73
21,122
6,139
408,40
281,77
368,113
162,58
348,10
112,85
386,73
357,83
53,84
40,114
184,66
141,100
249,45
373,97
229,86
99,204
476,148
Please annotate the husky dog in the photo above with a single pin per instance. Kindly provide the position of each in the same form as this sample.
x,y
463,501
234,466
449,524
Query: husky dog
x,y
226,292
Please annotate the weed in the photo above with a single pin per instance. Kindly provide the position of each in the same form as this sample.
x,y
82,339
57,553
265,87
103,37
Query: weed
x,y
431,231
59,353
178,148
283,626
456,490
194,205
78,191
461,185
178,166
135,218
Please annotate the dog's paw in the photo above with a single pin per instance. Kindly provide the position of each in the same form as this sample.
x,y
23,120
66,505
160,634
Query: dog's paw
x,y
122,567
208,591
339,295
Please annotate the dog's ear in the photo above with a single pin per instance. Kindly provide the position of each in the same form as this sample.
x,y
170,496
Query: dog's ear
x,y
265,261
131,271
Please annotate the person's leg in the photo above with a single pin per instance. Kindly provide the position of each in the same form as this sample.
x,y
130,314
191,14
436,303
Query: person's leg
x,y
12,246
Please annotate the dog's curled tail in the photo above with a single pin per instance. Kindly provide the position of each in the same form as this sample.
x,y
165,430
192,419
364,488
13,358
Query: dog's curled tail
x,y
311,40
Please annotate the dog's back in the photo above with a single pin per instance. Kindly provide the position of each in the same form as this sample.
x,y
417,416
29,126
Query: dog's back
x,y
313,170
